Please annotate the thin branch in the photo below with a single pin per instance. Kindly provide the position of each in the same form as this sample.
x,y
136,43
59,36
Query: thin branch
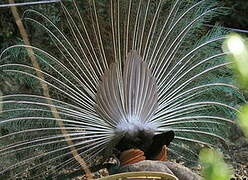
x,y
229,29
46,90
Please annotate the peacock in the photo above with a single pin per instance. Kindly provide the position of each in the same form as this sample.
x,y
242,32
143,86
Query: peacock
x,y
123,74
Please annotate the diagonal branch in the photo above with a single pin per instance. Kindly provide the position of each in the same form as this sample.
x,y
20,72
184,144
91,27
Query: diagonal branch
x,y
54,111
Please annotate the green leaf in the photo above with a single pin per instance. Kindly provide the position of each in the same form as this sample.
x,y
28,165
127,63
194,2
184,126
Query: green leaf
x,y
238,48
214,167
243,119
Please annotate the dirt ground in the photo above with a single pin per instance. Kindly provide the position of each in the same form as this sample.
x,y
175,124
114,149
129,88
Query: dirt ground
x,y
238,157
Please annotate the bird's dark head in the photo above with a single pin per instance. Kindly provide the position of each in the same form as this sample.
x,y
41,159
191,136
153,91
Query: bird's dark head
x,y
136,140
146,141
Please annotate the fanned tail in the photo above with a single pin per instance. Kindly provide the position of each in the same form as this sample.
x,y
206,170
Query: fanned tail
x,y
119,66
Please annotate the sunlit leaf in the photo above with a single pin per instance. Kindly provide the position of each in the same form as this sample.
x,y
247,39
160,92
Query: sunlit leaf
x,y
214,167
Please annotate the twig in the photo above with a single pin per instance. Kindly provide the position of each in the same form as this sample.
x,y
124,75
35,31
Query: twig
x,y
46,90
1,104
230,29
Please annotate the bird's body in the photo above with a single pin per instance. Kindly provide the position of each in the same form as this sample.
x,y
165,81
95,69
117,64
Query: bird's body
x,y
130,74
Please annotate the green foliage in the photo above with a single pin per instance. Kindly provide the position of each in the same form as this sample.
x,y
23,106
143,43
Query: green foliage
x,y
238,47
243,119
239,56
214,167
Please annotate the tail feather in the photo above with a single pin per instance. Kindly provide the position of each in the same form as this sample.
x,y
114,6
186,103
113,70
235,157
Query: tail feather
x,y
128,99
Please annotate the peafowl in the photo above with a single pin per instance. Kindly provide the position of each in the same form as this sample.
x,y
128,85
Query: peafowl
x,y
123,74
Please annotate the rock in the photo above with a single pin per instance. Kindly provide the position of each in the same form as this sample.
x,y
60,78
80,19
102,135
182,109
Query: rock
x,y
181,172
